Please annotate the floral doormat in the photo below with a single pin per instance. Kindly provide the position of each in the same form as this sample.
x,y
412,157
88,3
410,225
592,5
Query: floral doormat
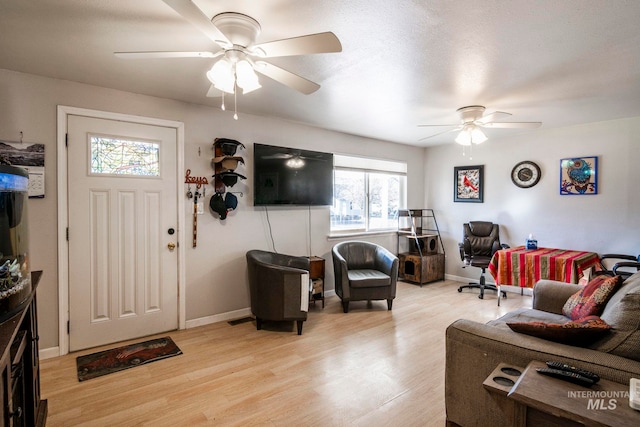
x,y
125,357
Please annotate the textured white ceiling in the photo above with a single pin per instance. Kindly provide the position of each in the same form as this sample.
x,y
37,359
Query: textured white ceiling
x,y
404,62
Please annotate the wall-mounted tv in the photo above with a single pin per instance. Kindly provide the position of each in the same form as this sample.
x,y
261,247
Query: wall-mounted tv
x,y
290,176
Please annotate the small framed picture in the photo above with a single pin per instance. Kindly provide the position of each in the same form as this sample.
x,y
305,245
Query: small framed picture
x,y
468,184
579,176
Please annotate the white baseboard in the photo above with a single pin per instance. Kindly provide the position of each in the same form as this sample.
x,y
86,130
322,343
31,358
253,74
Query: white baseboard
x,y
231,315
223,317
49,353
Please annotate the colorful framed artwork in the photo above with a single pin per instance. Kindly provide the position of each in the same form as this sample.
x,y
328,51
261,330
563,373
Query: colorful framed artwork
x,y
579,176
468,184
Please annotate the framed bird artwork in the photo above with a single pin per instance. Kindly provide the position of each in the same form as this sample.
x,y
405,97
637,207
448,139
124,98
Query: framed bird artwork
x,y
579,176
468,184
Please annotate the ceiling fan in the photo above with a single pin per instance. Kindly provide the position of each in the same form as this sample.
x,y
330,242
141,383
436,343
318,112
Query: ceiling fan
x,y
472,118
294,159
235,35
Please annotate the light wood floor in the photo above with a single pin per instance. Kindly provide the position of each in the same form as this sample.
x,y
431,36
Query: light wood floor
x,y
369,367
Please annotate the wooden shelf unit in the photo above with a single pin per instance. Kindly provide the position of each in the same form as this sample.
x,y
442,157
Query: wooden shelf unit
x,y
420,248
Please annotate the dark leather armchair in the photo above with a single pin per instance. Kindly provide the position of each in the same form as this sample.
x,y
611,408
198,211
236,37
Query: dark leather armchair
x,y
480,240
364,271
279,287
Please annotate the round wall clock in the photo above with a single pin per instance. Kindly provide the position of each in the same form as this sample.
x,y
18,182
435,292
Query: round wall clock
x,y
526,174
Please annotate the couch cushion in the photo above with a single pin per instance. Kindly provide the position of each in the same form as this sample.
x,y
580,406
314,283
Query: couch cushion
x,y
580,332
591,299
528,315
629,285
368,278
623,314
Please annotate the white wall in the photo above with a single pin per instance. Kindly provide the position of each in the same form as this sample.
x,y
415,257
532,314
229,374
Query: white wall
x,y
608,222
216,269
216,273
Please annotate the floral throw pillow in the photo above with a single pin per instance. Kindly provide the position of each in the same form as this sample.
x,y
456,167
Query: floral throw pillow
x,y
591,299
581,332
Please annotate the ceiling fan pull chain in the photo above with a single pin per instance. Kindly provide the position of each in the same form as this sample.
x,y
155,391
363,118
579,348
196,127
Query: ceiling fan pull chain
x,y
235,102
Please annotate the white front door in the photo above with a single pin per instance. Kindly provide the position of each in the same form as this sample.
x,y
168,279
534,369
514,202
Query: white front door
x,y
123,223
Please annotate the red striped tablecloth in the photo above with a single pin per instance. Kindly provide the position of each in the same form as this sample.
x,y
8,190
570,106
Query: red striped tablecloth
x,y
524,267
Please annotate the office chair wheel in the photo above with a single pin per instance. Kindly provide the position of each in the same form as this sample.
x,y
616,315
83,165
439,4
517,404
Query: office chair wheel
x,y
481,296
460,289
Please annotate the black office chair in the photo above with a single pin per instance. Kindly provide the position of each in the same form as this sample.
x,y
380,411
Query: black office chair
x,y
618,264
480,240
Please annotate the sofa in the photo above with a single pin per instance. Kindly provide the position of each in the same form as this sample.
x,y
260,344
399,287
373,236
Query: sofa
x,y
279,287
473,350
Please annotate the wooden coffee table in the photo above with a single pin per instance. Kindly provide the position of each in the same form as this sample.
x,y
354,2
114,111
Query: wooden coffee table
x,y
548,401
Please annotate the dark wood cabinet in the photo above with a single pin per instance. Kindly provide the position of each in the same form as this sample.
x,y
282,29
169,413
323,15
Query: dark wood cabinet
x,y
316,274
20,366
421,268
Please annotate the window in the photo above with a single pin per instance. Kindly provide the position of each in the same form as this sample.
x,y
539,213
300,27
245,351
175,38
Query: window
x,y
367,194
118,156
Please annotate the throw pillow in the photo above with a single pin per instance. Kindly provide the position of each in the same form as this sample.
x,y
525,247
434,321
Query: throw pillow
x,y
590,300
581,332
621,314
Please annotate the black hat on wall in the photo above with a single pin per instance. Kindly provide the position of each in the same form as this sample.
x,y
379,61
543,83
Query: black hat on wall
x,y
229,178
217,205
227,146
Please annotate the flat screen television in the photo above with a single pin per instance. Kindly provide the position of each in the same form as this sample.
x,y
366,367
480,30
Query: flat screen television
x,y
290,176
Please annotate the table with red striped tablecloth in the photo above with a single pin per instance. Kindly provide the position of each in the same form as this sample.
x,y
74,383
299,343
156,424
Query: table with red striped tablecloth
x,y
523,267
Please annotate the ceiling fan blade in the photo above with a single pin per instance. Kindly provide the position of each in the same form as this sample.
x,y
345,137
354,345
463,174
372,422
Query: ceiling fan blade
x,y
511,125
156,54
287,78
303,45
213,92
189,11
440,133
278,156
493,117
453,124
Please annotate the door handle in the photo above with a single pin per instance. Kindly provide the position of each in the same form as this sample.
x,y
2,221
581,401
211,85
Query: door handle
x,y
171,246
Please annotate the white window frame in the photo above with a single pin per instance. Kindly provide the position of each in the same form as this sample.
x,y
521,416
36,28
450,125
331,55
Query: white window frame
x,y
370,166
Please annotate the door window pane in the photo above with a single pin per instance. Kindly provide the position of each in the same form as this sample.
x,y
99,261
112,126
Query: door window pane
x,y
118,156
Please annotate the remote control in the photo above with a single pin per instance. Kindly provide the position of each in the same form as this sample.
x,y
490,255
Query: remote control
x,y
634,393
567,376
564,367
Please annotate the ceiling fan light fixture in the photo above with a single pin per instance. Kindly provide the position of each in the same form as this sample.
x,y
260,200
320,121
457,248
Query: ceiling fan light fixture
x,y
221,76
250,87
469,134
464,137
477,136
246,77
295,163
